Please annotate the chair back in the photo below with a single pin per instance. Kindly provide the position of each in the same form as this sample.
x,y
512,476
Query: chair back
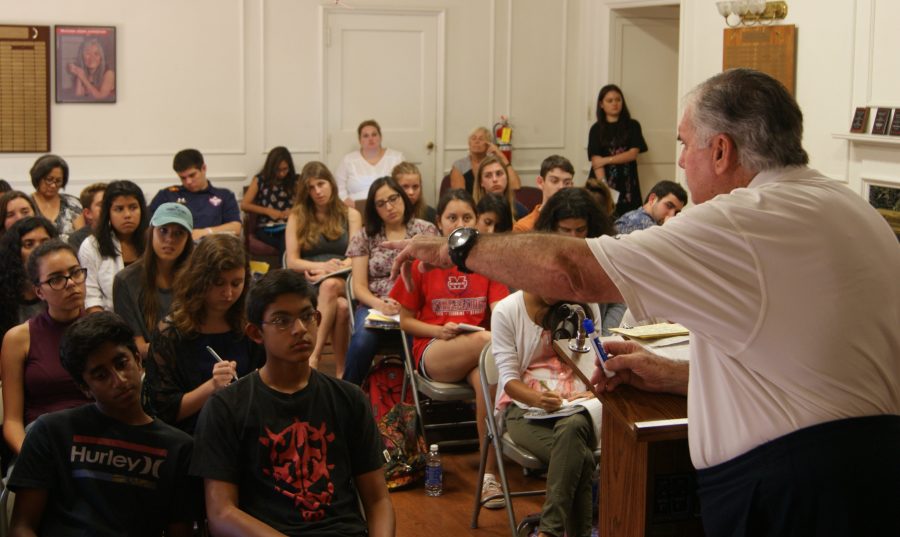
x,y
487,371
529,196
445,185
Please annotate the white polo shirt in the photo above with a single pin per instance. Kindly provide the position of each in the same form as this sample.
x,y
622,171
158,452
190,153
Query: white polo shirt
x,y
791,290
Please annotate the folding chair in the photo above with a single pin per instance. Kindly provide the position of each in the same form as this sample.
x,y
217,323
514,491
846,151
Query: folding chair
x,y
436,391
504,446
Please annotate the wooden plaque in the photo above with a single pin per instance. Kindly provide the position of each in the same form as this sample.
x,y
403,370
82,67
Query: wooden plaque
x,y
882,121
770,49
24,89
895,123
860,120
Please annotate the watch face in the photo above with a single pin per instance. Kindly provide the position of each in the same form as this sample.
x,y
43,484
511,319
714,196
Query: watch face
x,y
459,237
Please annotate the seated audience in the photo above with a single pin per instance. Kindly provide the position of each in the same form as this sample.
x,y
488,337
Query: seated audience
x,y
494,215
575,212
492,178
664,201
318,231
556,174
358,169
105,468
14,206
531,376
207,311
142,292
49,175
287,450
270,195
215,210
118,241
34,381
462,174
91,198
409,178
17,295
442,299
388,216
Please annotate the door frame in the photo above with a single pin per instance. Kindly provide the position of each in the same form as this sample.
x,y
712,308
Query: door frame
x,y
440,16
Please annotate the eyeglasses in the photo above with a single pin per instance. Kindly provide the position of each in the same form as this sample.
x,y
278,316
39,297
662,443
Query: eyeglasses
x,y
175,232
284,322
60,281
49,181
390,200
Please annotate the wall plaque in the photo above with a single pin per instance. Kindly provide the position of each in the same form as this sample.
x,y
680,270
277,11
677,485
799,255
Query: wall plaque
x,y
24,89
770,49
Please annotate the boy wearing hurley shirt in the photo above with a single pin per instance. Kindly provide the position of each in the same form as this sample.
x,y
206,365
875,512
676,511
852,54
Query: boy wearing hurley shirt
x,y
105,468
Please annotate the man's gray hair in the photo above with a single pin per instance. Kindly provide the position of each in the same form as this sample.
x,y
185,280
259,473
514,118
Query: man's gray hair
x,y
756,112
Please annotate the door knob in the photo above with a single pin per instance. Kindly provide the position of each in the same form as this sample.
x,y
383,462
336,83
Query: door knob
x,y
429,146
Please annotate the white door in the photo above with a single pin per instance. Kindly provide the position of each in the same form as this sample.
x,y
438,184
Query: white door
x,y
384,65
644,63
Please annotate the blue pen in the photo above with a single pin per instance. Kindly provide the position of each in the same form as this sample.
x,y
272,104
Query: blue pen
x,y
588,326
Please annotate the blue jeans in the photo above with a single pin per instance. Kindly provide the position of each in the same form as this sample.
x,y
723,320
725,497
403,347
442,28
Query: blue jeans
x,y
364,345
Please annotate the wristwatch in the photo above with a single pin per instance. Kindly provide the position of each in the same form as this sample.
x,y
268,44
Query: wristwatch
x,y
460,243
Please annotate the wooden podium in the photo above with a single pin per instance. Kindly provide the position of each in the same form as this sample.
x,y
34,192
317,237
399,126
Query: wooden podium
x,y
647,482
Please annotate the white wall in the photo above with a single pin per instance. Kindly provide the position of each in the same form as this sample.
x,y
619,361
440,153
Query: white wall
x,y
846,57
234,78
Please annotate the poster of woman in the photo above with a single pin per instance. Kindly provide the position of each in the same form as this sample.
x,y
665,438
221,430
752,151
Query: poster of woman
x,y
85,64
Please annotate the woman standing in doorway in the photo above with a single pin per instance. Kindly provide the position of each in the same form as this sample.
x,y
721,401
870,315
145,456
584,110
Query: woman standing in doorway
x,y
613,146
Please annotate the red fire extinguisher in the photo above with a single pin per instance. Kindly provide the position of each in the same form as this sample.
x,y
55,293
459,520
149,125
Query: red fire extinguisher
x,y
503,137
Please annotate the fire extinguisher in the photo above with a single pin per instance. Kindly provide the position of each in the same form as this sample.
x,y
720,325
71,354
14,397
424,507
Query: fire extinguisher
x,y
503,137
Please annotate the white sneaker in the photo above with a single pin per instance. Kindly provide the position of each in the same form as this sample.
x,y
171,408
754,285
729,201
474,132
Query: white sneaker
x,y
491,487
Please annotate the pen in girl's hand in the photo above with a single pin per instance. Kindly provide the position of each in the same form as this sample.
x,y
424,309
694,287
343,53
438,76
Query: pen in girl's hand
x,y
217,357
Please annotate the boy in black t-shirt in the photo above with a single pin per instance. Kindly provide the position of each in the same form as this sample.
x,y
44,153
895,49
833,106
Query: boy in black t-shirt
x,y
105,468
286,450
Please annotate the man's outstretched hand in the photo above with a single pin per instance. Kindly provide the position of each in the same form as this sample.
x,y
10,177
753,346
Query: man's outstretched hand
x,y
431,251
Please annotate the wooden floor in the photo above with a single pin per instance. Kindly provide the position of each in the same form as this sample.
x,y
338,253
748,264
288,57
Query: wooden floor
x,y
448,515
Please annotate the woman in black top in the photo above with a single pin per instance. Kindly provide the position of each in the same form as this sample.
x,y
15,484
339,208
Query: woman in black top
x,y
613,146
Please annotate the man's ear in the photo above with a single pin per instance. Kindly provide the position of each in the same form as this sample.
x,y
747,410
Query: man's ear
x,y
253,332
724,153
651,198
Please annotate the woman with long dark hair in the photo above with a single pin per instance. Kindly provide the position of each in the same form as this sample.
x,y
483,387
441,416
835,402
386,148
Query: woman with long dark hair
x,y
389,216
118,241
142,292
613,146
208,312
34,381
16,291
271,195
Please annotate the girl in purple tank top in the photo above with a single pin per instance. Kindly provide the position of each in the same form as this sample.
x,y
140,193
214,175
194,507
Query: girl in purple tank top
x,y
34,381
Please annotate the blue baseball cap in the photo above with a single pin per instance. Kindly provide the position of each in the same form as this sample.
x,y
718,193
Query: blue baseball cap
x,y
173,213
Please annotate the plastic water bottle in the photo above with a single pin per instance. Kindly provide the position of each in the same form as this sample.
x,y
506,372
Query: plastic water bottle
x,y
434,473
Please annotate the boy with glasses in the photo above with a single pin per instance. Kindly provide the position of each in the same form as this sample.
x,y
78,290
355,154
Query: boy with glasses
x,y
288,449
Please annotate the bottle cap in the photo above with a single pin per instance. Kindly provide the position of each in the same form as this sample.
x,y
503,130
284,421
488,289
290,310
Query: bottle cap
x,y
434,447
588,326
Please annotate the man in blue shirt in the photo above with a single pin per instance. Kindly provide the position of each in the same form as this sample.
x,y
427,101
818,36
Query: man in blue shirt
x,y
215,210
664,201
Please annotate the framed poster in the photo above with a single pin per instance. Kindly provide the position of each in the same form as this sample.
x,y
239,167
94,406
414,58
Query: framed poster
x,y
85,64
